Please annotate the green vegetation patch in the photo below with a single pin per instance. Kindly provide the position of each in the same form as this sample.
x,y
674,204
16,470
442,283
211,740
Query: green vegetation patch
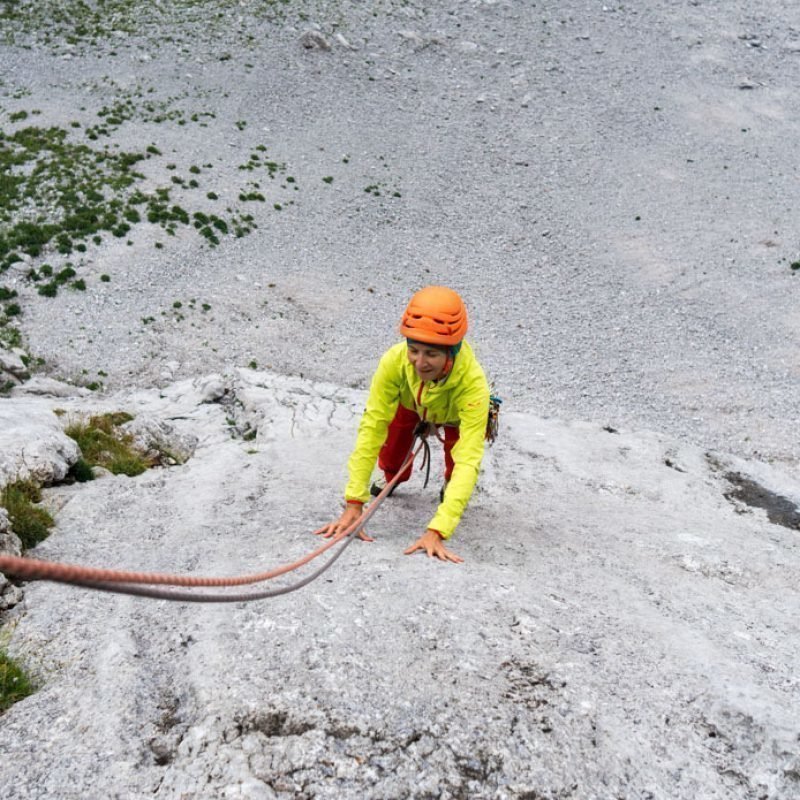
x,y
15,683
64,24
56,193
30,522
10,337
102,444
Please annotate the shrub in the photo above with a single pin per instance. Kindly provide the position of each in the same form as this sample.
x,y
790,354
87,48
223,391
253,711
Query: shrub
x,y
31,523
81,471
48,289
103,445
15,685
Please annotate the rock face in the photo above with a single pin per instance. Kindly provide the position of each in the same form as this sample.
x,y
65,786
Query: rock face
x,y
32,442
33,445
624,623
12,366
49,387
10,544
159,440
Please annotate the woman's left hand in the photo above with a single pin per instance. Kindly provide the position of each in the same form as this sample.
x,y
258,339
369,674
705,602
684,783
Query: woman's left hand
x,y
433,545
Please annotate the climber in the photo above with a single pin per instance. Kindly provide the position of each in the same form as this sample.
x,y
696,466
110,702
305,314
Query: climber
x,y
433,377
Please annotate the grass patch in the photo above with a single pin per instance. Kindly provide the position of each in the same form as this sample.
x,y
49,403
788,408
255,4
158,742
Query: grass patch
x,y
81,471
10,337
31,523
58,195
102,444
94,27
15,683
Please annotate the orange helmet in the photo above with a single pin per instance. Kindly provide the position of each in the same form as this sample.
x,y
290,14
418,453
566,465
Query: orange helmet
x,y
435,315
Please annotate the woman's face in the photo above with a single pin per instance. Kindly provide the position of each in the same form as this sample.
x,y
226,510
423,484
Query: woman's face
x,y
428,361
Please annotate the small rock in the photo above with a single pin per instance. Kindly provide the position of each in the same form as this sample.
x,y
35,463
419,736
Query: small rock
x,y
745,84
12,363
211,388
10,595
49,387
168,370
10,544
343,42
33,444
792,768
152,434
412,36
314,40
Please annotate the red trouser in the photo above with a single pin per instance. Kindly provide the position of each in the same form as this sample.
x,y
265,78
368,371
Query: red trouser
x,y
398,442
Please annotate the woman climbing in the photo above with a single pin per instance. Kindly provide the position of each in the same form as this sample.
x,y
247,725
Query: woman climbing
x,y
434,377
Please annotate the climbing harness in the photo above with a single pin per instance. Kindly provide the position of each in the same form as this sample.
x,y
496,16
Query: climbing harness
x,y
421,432
146,584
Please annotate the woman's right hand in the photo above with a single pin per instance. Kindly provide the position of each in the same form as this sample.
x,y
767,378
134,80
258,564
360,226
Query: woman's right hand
x,y
350,514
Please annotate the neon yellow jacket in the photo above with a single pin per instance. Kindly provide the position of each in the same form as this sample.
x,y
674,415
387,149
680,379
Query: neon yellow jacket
x,y
461,399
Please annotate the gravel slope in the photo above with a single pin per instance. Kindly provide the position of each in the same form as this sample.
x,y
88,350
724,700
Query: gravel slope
x,y
618,210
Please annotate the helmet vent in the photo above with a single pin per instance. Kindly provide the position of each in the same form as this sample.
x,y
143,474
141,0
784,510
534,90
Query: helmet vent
x,y
435,315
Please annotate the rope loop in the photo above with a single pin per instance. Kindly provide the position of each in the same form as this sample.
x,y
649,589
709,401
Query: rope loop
x,y
421,432
145,584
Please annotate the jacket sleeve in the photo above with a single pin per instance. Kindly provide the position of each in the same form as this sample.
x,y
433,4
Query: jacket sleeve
x,y
473,410
382,402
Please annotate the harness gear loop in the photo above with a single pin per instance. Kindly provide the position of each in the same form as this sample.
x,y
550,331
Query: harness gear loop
x,y
421,432
493,421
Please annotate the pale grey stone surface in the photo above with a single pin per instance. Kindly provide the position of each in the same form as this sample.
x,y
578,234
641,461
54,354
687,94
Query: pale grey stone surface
x,y
49,387
12,364
158,438
619,628
32,442
211,388
620,217
10,595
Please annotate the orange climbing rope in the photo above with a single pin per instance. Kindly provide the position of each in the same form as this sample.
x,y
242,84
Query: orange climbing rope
x,y
145,584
